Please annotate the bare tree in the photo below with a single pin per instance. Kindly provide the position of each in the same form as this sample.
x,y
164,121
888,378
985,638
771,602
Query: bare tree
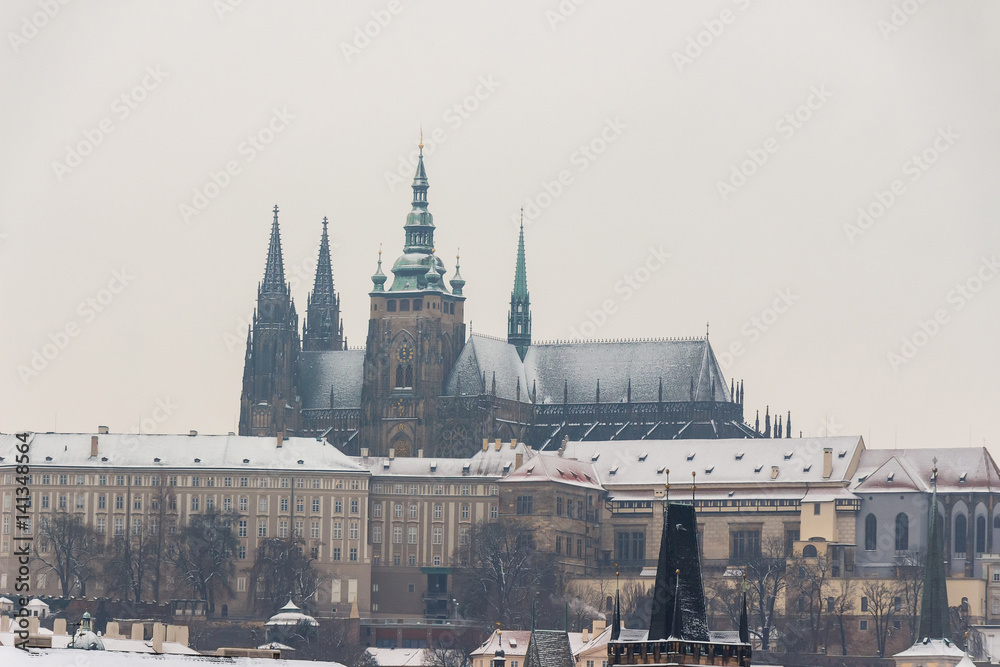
x,y
910,575
163,512
452,649
130,561
767,579
843,605
281,571
636,603
808,576
884,604
69,548
503,571
203,555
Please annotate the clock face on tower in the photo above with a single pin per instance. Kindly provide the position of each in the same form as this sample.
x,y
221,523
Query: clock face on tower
x,y
405,353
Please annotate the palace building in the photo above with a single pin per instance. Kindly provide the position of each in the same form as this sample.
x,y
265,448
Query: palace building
x,y
423,382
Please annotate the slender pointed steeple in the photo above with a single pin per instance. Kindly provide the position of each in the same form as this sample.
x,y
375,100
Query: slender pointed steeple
x,y
378,278
519,317
274,271
411,268
744,619
616,621
935,622
322,328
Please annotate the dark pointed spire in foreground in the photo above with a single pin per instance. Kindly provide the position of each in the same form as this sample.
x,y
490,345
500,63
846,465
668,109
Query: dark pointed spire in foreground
x,y
519,317
767,421
678,592
935,622
616,620
744,619
274,271
788,425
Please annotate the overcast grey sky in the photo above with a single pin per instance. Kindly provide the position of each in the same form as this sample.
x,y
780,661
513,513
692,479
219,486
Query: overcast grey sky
x,y
144,145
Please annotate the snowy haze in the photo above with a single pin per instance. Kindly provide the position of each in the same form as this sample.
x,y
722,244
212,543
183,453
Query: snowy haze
x,y
621,127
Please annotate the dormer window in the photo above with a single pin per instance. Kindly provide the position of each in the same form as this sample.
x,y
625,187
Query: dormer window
x,y
690,456
963,478
642,457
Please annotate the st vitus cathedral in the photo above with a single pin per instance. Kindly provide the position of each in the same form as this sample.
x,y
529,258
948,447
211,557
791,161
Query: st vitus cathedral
x,y
421,385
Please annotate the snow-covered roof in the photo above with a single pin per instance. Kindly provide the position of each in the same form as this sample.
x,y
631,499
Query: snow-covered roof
x,y
515,642
399,657
578,366
111,644
35,602
189,452
931,648
551,467
960,470
621,463
490,463
339,372
291,615
14,657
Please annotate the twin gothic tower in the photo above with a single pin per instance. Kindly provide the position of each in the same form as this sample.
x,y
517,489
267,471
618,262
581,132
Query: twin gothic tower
x,y
420,385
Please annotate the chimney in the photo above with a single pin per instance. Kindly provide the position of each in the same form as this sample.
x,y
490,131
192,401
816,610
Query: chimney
x,y
585,636
103,430
827,462
193,433
93,446
513,443
518,460
599,626
364,452
420,453
392,453
486,444
774,472
281,438
497,444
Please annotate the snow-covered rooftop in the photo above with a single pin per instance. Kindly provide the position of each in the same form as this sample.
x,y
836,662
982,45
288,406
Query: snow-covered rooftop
x,y
623,463
960,470
189,452
490,463
685,366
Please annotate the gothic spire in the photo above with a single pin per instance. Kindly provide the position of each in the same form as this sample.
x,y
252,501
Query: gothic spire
x,y
519,317
274,271
324,270
378,278
322,329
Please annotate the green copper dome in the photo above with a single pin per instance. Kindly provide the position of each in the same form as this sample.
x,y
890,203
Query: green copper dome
x,y
414,268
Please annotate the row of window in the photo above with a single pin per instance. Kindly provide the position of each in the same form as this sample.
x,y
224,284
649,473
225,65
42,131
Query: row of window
x,y
404,305
569,545
437,535
397,560
902,533
210,503
465,511
437,489
196,480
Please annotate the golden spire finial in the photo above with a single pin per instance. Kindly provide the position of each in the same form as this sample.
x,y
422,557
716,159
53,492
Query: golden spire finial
x,y
380,251
421,144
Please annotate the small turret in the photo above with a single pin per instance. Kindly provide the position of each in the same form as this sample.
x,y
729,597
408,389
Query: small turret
x,y
379,278
457,282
